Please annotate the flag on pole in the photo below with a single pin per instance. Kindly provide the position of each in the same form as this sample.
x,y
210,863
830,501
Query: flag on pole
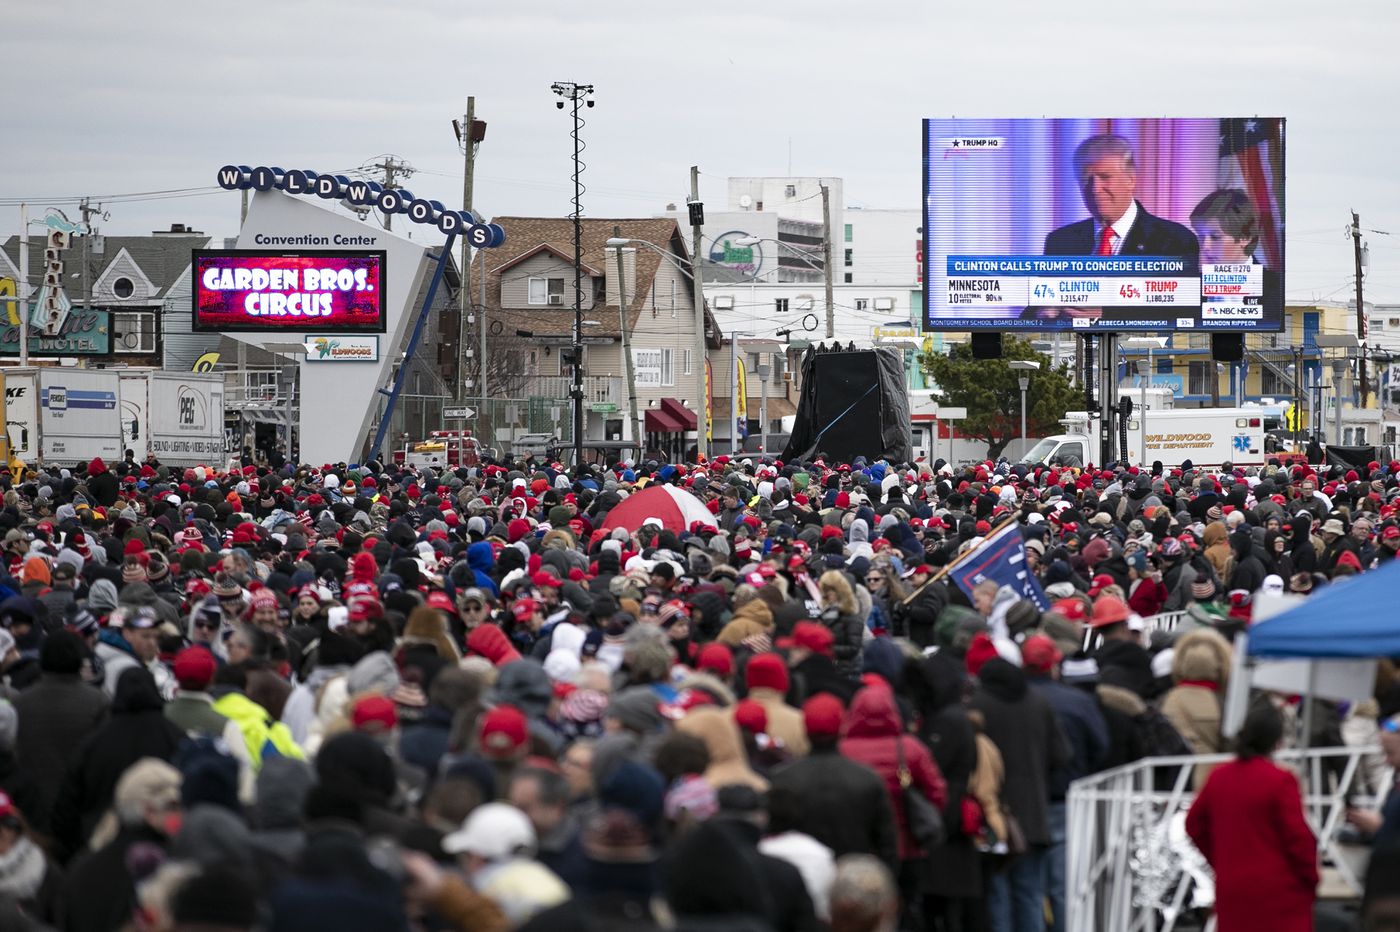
x,y
1002,559
1251,158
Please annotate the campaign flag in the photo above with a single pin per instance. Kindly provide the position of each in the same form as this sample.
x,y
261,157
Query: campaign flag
x,y
1002,559
1251,158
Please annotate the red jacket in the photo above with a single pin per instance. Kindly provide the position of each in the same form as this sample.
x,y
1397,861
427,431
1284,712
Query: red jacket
x,y
870,729
1148,597
1248,822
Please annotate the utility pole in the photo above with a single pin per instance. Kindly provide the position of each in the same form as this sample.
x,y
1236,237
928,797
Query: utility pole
x,y
87,211
393,169
466,137
22,286
702,407
826,262
628,362
1360,311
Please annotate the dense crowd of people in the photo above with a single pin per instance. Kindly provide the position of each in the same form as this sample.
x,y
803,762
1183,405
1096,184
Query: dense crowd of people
x,y
364,697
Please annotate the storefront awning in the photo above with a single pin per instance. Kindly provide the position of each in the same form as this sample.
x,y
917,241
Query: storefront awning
x,y
680,413
660,421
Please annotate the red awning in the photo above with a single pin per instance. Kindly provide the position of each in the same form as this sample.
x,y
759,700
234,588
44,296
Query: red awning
x,y
680,413
660,421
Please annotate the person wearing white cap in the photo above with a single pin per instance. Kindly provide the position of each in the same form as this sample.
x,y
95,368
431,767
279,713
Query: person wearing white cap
x,y
496,847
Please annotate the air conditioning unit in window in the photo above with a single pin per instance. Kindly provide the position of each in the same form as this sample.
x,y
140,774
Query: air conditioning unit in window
x,y
556,299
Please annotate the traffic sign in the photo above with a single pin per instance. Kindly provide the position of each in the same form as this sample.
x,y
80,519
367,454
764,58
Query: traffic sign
x,y
462,413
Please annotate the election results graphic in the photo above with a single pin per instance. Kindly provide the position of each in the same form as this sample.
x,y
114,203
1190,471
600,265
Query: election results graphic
x,y
322,290
1104,224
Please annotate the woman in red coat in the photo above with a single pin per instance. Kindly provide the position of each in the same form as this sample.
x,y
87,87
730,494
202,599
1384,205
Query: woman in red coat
x,y
873,734
1248,823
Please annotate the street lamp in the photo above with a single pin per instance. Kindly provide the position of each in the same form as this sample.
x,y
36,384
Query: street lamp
x,y
579,95
702,414
1027,366
1348,344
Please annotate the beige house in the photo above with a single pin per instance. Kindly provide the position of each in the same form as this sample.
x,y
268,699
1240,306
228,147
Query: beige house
x,y
530,300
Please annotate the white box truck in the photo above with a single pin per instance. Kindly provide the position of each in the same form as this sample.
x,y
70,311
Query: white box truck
x,y
1205,436
178,416
78,415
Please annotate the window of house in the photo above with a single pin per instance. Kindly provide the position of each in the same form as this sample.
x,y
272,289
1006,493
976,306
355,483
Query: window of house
x,y
123,287
1271,383
850,232
685,363
547,291
848,278
133,333
790,190
850,258
652,367
862,304
780,305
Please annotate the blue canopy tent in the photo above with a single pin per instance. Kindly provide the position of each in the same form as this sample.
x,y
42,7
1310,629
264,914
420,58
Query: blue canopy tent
x,y
1356,618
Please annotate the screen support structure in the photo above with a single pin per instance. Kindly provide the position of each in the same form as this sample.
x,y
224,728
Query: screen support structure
x,y
1108,390
393,393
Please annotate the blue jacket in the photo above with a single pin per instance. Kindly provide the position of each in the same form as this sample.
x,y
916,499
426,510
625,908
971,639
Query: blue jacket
x,y
1084,726
482,559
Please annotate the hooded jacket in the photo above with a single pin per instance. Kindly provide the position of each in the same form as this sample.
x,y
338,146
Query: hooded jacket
x,y
482,560
1249,572
729,764
1201,669
138,728
1022,725
1217,549
873,735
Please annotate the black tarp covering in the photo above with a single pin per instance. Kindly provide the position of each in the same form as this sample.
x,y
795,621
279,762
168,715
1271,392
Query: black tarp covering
x,y
853,404
1354,457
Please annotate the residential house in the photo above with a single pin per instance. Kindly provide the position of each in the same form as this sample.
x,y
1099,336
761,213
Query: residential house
x,y
531,292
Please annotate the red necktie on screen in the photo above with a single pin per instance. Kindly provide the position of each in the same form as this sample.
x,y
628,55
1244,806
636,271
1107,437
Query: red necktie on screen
x,y
1105,242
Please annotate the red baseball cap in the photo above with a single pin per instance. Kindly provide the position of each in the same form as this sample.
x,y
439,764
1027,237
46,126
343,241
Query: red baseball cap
x,y
524,608
503,731
1100,583
374,714
814,637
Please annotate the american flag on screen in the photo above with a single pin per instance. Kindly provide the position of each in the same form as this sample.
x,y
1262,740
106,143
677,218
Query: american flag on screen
x,y
1251,158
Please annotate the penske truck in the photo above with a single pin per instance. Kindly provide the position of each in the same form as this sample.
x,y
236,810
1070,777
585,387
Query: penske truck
x,y
1205,436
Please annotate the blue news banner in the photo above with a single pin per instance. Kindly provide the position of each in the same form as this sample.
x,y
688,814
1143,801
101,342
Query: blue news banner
x,y
1096,290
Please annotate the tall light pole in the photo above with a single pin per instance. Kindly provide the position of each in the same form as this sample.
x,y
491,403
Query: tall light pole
x,y
579,96
1026,367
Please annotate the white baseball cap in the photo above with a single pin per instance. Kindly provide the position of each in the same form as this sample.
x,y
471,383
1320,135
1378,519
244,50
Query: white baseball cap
x,y
494,831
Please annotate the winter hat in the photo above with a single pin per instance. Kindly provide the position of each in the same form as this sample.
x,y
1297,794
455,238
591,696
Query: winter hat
x,y
194,669
715,658
979,652
767,671
374,714
821,715
750,716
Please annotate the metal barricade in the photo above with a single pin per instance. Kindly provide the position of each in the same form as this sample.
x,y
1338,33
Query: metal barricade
x,y
1130,866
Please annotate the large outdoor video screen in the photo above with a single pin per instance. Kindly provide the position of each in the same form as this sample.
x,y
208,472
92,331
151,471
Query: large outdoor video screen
x,y
328,291
1107,224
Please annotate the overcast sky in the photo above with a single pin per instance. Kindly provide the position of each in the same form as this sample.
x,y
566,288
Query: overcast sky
x,y
153,95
